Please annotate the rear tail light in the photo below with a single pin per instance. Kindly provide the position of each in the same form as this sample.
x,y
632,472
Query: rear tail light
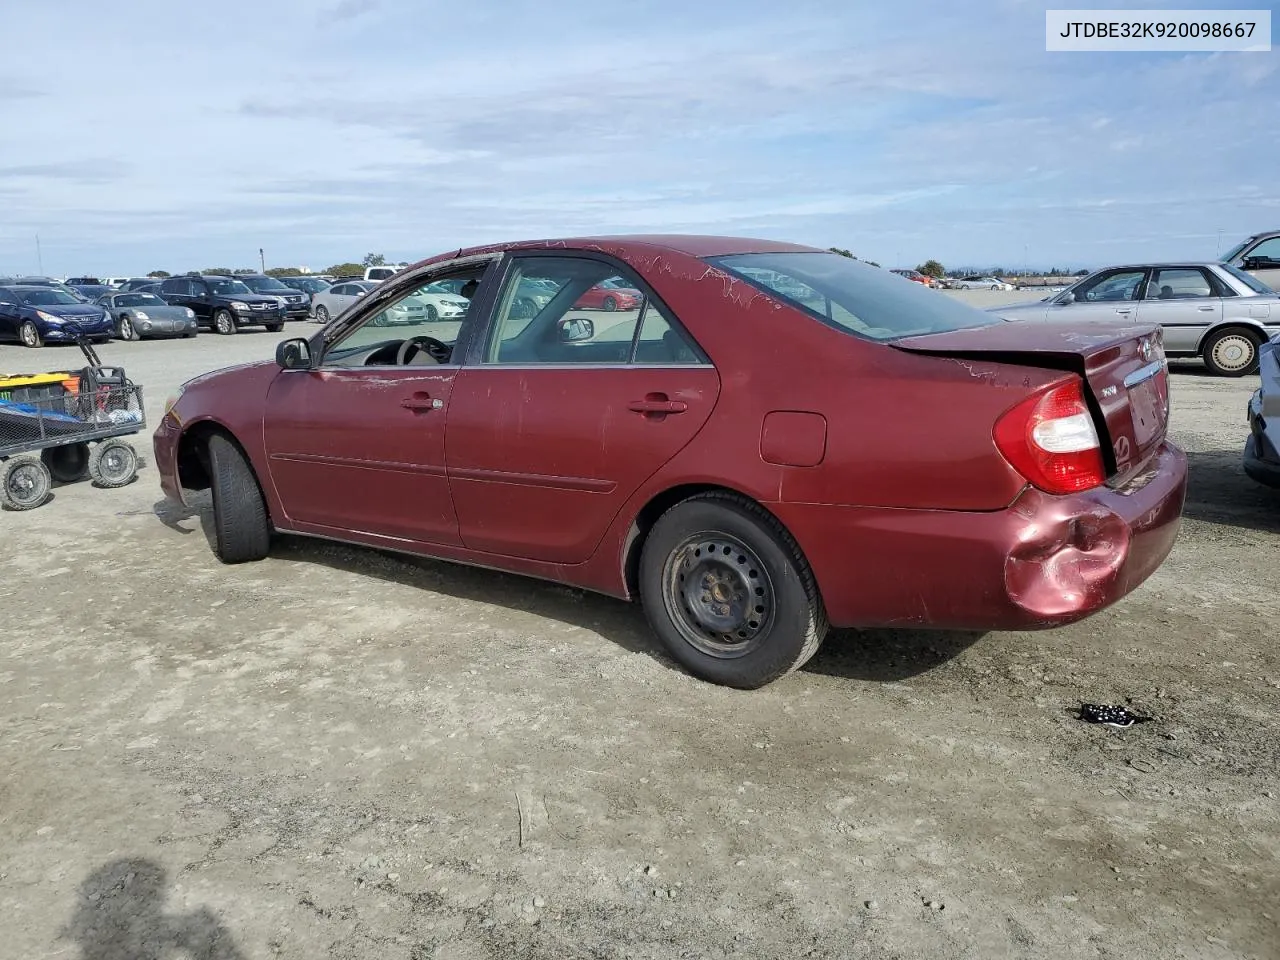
x,y
1050,439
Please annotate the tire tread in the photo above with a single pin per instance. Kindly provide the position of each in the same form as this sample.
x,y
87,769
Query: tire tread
x,y
242,529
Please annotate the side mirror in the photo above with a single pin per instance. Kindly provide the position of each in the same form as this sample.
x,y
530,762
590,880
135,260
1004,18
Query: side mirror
x,y
575,329
293,354
360,293
1260,263
1065,298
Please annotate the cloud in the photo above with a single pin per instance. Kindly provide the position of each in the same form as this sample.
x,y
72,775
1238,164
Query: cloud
x,y
348,10
840,125
90,171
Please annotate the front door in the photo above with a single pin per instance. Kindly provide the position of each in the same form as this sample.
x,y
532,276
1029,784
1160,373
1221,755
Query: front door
x,y
356,443
1185,302
569,410
1109,297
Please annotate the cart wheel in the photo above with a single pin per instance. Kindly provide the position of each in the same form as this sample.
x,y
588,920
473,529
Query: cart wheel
x,y
67,464
113,463
24,483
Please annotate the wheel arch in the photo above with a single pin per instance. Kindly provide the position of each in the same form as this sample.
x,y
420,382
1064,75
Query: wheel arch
x,y
193,452
655,507
1242,323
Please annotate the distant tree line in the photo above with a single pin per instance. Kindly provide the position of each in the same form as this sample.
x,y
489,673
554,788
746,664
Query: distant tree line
x,y
336,270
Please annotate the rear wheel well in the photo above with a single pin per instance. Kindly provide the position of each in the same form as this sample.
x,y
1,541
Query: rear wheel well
x,y
654,509
1231,326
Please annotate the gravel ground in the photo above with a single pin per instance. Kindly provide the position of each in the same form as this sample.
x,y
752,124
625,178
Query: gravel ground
x,y
341,753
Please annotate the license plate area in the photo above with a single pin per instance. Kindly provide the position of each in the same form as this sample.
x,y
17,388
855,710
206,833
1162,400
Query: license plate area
x,y
1149,407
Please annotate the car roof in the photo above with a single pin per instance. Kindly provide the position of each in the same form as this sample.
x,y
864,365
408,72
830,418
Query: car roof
x,y
1162,264
646,245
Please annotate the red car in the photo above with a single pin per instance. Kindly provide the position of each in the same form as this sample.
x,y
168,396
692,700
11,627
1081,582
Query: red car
x,y
782,439
613,294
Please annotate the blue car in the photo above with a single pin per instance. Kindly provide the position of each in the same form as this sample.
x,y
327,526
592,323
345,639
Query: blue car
x,y
38,315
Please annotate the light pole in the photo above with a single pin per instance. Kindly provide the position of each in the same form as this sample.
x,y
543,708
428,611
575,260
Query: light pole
x,y
39,257
262,260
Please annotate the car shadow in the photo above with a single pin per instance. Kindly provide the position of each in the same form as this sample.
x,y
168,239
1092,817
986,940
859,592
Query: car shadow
x,y
876,655
886,656
1221,493
120,915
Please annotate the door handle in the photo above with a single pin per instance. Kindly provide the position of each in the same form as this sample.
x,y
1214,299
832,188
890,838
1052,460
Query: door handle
x,y
1206,309
657,403
421,403
1124,311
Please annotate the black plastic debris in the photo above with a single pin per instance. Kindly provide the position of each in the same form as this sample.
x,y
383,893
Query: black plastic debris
x,y
1118,717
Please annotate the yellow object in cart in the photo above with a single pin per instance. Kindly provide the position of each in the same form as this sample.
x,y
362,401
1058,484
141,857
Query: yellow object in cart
x,y
26,386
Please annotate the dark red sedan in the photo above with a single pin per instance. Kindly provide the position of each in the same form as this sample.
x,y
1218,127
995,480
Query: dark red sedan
x,y
775,439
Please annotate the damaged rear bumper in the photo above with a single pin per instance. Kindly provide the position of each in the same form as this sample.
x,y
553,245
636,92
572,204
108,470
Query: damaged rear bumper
x,y
1042,562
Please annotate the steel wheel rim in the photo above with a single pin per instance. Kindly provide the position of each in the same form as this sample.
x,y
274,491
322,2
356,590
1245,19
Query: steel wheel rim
x,y
25,484
719,595
29,334
1234,352
116,462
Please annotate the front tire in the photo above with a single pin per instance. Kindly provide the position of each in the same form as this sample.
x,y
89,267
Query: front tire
x,y
242,530
728,592
24,483
1232,352
432,314
29,334
127,331
274,327
322,314
67,464
224,323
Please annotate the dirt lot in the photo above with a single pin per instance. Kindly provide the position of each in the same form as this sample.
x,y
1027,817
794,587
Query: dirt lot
x,y
339,753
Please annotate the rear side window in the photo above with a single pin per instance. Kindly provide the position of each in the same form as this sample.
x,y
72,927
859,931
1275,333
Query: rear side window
x,y
852,296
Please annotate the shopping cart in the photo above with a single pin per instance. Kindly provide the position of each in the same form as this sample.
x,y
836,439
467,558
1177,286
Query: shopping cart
x,y
66,426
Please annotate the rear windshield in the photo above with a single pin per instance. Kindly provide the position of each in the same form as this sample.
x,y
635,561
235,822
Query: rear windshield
x,y
1248,279
853,296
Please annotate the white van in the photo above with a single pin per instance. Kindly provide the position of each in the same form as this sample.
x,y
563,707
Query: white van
x,y
378,274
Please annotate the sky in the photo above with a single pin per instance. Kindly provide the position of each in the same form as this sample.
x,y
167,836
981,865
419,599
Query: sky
x,y
141,135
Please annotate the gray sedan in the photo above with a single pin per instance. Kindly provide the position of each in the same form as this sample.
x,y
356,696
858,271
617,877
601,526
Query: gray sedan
x,y
1207,309
326,304
139,315
1262,450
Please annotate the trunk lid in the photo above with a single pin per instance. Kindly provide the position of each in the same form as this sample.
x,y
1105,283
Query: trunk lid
x,y
1123,366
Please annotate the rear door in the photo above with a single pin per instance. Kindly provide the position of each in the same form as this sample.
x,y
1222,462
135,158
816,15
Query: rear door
x,y
564,414
1185,302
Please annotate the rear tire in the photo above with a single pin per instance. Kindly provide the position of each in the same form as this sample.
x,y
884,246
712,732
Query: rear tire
x,y
1232,352
67,464
113,463
24,483
610,304
242,530
224,323
728,592
29,334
